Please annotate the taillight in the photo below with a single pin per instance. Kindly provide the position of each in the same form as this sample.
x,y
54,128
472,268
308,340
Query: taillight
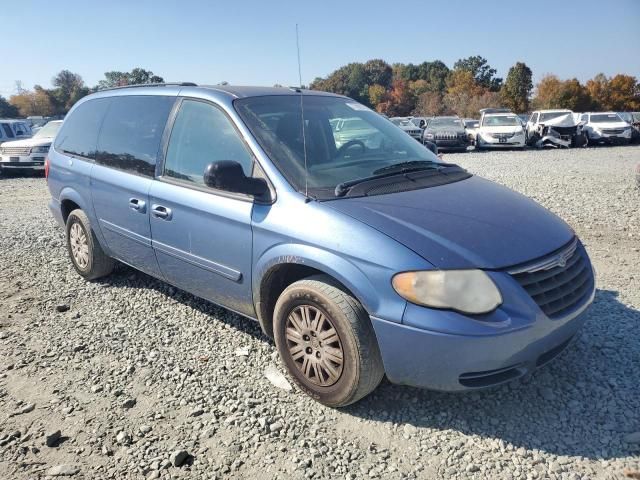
x,y
46,167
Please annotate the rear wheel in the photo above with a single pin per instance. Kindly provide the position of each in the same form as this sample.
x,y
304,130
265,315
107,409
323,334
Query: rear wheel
x,y
326,341
85,251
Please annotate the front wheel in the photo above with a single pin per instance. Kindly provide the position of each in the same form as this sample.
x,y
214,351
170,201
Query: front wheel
x,y
85,251
326,341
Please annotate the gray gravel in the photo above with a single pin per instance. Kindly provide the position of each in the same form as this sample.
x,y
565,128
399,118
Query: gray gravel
x,y
131,378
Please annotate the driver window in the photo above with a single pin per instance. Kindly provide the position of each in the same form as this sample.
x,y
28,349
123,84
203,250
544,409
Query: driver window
x,y
203,134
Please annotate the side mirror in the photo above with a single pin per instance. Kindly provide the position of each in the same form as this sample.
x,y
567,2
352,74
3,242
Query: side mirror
x,y
227,175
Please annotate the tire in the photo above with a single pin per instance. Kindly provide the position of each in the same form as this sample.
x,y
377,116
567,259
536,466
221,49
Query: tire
x,y
89,259
346,330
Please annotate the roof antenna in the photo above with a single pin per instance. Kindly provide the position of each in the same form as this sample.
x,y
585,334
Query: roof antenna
x,y
304,136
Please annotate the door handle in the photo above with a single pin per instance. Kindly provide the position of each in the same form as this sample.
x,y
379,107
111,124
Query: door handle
x,y
137,205
161,212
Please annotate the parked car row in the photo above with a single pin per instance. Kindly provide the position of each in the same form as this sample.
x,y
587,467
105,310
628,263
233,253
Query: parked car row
x,y
501,128
28,153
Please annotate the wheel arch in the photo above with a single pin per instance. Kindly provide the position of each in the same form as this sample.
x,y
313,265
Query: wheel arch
x,y
275,271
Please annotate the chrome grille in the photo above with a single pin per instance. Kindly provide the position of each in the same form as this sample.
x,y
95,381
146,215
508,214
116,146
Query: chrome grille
x,y
446,136
6,150
502,135
613,131
557,282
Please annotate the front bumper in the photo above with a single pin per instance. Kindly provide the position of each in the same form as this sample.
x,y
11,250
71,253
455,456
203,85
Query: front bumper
x,y
453,144
32,162
604,137
490,142
448,351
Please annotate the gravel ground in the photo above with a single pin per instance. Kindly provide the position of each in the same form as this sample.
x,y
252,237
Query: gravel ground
x,y
131,378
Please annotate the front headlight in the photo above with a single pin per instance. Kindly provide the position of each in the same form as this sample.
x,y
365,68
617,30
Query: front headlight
x,y
40,149
428,136
468,291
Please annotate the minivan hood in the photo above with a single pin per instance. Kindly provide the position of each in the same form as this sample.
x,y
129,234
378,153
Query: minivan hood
x,y
472,223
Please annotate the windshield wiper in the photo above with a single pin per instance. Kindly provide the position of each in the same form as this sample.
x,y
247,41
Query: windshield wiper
x,y
409,166
388,171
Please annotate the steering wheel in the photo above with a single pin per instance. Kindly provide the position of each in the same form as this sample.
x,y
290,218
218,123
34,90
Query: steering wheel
x,y
341,151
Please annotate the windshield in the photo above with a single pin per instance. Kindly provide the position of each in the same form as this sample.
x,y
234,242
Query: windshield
x,y
605,118
49,130
344,139
551,115
626,116
501,121
445,122
401,122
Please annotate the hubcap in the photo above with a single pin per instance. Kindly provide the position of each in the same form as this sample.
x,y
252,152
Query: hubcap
x,y
314,345
79,245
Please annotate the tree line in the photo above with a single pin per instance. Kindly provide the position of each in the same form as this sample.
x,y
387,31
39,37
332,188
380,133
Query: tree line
x,y
432,88
68,88
425,89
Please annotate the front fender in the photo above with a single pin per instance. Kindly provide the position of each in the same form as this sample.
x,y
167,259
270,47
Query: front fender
x,y
379,299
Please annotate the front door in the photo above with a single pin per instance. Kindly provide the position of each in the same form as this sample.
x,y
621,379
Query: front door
x,y
202,237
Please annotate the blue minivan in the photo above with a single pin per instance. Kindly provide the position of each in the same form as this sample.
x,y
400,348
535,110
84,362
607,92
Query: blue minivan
x,y
361,253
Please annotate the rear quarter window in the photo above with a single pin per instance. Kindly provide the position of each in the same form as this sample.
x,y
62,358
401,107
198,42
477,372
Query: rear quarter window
x,y
79,133
131,133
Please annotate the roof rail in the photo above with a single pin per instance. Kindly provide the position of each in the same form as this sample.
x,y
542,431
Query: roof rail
x,y
168,84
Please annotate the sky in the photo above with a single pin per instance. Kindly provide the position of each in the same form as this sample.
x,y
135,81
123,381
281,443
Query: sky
x,y
253,42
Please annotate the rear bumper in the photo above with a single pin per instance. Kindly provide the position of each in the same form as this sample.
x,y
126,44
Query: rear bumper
x,y
56,210
490,354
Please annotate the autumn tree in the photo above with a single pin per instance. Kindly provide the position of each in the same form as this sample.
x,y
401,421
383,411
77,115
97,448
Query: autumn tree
x,y
517,88
33,102
430,104
548,92
377,95
481,71
462,93
7,110
399,101
598,89
574,96
624,93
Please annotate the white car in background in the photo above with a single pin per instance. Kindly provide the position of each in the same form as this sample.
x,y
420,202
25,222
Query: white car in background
x,y
30,153
499,128
605,127
554,128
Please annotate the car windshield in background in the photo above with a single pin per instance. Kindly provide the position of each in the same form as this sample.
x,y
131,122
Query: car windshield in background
x,y
445,122
49,130
551,115
501,121
605,118
344,139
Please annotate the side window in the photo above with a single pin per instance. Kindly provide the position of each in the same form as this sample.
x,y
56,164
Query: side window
x,y
131,133
8,131
79,132
584,118
534,117
202,134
